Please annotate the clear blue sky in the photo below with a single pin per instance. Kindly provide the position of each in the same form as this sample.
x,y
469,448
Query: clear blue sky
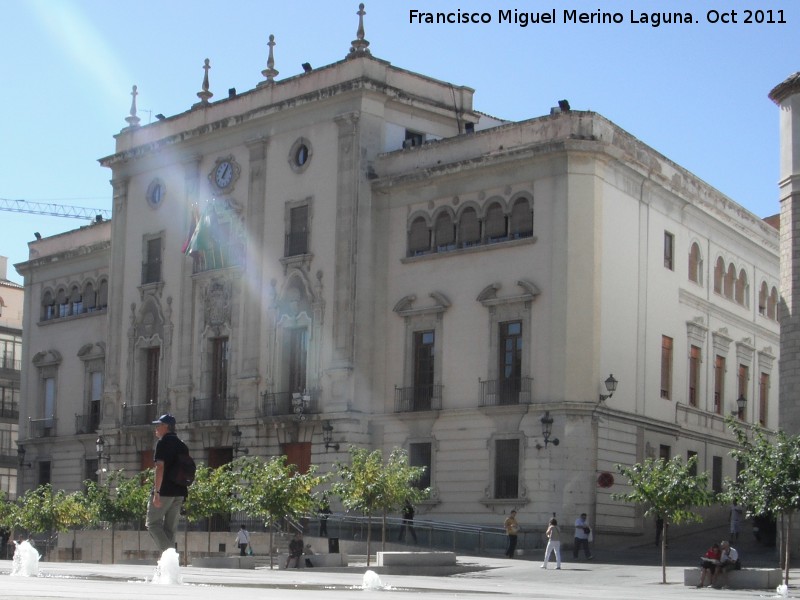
x,y
697,92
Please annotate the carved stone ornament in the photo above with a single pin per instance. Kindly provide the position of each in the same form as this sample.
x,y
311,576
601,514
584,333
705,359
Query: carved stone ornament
x,y
217,304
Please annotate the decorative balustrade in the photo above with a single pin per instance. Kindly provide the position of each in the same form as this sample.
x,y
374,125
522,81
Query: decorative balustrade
x,y
213,409
500,392
418,398
275,404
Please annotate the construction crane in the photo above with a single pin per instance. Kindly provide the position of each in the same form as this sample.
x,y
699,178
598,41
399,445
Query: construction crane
x,y
54,210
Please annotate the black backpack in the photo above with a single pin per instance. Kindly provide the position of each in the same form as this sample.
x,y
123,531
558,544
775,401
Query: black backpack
x,y
183,470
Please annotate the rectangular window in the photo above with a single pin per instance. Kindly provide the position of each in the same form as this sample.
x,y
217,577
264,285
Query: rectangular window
x,y
719,383
666,367
716,474
689,455
95,400
219,368
664,452
694,375
424,372
510,367
44,472
419,455
297,236
743,378
152,356
763,398
298,353
91,468
49,398
669,251
151,268
506,469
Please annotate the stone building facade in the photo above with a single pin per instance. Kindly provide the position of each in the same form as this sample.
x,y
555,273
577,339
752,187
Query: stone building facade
x,y
11,295
356,256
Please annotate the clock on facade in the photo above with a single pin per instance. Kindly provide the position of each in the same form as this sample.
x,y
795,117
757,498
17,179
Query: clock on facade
x,y
225,173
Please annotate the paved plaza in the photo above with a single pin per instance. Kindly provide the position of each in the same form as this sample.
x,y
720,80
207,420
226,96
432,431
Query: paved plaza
x,y
493,578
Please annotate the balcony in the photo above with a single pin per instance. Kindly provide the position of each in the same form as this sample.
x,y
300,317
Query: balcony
x,y
218,256
139,414
87,423
296,243
418,398
9,411
213,409
9,367
41,428
276,404
504,392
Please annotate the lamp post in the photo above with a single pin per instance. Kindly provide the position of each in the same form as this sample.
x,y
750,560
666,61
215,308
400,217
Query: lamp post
x,y
741,404
21,457
547,430
100,446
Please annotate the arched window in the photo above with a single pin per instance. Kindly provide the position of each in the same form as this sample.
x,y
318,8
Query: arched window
x,y
521,225
730,281
102,294
48,307
419,237
741,289
772,304
763,297
695,264
62,303
89,297
444,233
719,275
495,224
75,300
469,228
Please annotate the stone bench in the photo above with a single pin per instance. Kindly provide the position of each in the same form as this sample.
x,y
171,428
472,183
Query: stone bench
x,y
224,562
744,579
315,560
416,559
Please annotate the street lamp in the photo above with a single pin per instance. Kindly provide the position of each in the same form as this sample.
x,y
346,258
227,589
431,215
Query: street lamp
x,y
547,430
100,446
237,442
327,435
741,404
611,387
21,457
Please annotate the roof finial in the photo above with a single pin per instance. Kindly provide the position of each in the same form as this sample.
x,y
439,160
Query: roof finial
x,y
133,120
270,72
359,45
204,94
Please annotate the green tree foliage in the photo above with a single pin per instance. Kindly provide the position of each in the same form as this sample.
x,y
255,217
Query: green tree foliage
x,y
273,490
768,483
212,493
367,485
42,510
668,489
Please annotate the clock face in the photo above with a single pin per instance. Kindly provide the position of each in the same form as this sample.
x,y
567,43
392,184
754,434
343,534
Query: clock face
x,y
224,174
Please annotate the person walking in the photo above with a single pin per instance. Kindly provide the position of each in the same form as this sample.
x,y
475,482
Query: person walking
x,y
324,513
512,529
408,522
166,498
582,531
553,534
243,540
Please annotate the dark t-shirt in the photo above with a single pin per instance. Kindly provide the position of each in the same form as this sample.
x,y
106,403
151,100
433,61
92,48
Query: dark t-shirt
x,y
167,450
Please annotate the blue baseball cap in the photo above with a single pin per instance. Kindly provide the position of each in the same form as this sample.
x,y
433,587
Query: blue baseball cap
x,y
166,419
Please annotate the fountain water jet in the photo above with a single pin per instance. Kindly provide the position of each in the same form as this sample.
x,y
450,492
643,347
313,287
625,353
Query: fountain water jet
x,y
168,569
26,560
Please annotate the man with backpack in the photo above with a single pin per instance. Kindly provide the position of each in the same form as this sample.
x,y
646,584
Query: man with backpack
x,y
166,499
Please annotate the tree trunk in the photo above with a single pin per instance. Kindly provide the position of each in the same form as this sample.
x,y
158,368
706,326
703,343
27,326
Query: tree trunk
x,y
369,534
664,552
383,532
113,529
787,537
270,542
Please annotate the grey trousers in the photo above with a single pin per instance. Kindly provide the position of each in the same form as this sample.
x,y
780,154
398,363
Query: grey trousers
x,y
162,522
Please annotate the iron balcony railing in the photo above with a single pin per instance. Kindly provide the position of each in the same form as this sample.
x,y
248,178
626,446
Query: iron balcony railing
x,y
89,423
9,410
218,256
40,428
213,409
290,403
296,243
418,398
139,414
9,364
500,392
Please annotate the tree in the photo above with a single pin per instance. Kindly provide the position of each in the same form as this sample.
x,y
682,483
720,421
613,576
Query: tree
x,y
42,510
768,483
272,490
211,494
119,499
669,489
368,485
